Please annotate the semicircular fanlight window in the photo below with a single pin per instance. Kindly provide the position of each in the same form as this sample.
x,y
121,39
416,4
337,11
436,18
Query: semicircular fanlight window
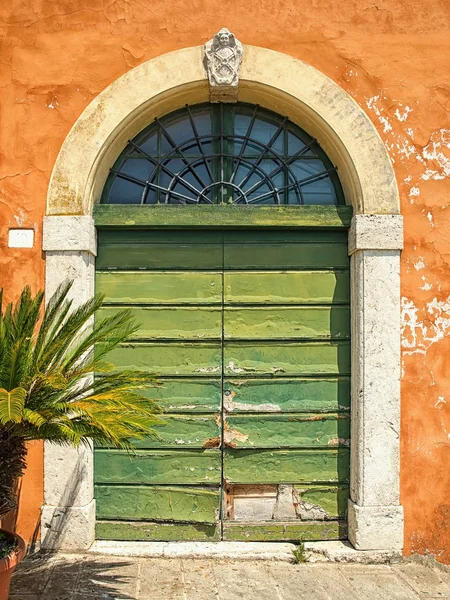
x,y
223,154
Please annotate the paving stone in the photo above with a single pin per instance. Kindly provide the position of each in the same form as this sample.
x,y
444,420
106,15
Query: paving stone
x,y
375,582
63,579
161,579
244,580
333,582
199,580
425,580
32,575
310,581
108,578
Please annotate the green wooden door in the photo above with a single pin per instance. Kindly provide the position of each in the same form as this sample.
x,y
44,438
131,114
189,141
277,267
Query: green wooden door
x,y
248,333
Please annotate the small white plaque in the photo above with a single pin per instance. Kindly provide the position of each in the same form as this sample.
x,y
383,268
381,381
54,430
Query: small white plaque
x,y
21,238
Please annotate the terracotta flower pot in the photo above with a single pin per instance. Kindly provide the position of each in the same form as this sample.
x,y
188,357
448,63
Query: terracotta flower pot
x,y
9,563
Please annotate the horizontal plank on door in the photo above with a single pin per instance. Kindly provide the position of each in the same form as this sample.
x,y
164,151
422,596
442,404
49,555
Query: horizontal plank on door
x,y
179,431
319,255
286,466
159,287
290,430
286,287
288,532
277,236
126,236
160,467
175,322
286,395
194,358
186,395
156,532
286,358
153,503
154,256
305,322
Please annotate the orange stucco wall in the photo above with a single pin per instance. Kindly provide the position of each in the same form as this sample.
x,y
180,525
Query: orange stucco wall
x,y
391,56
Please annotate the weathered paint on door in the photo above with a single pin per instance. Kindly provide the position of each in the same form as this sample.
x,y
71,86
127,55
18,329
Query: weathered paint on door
x,y
248,332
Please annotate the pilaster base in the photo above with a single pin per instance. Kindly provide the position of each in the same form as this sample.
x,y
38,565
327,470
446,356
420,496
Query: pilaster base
x,y
375,527
68,528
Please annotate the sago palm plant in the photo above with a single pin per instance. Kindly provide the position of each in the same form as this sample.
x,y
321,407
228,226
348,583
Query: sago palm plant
x,y
47,391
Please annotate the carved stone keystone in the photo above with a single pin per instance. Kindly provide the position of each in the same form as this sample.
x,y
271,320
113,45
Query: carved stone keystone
x,y
223,59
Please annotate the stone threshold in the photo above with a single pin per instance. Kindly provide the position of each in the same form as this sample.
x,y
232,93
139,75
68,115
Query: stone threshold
x,y
335,551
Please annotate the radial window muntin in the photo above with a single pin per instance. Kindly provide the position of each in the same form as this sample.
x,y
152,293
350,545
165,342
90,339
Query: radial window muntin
x,y
223,154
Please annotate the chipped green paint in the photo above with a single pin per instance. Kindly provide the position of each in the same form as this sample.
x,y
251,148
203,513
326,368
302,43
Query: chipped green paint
x,y
190,431
332,501
286,466
155,503
304,430
156,532
221,216
288,532
305,322
286,395
174,322
158,467
286,358
147,287
286,287
170,358
187,395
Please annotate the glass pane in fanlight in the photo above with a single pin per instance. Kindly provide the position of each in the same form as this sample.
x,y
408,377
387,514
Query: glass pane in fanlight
x,y
149,144
295,144
262,132
180,131
151,196
302,169
265,194
241,125
139,168
319,192
202,122
197,181
125,192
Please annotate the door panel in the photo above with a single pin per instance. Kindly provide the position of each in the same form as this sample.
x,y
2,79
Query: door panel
x,y
161,467
167,358
175,322
286,358
286,395
286,287
286,466
283,322
150,287
289,430
191,504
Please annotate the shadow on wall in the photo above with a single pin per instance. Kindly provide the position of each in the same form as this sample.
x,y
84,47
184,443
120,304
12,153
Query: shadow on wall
x,y
51,578
67,514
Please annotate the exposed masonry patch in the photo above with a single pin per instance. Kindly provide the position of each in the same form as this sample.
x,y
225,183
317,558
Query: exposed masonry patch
x,y
401,146
418,334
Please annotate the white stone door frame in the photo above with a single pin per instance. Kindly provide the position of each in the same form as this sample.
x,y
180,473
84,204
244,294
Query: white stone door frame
x,y
313,101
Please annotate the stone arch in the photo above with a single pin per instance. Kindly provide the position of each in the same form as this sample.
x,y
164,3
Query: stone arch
x,y
272,79
290,87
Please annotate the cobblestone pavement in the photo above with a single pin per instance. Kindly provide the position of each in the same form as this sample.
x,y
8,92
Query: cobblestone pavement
x,y
81,577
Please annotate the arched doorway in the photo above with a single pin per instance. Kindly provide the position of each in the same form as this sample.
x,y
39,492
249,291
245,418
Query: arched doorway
x,y
308,98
